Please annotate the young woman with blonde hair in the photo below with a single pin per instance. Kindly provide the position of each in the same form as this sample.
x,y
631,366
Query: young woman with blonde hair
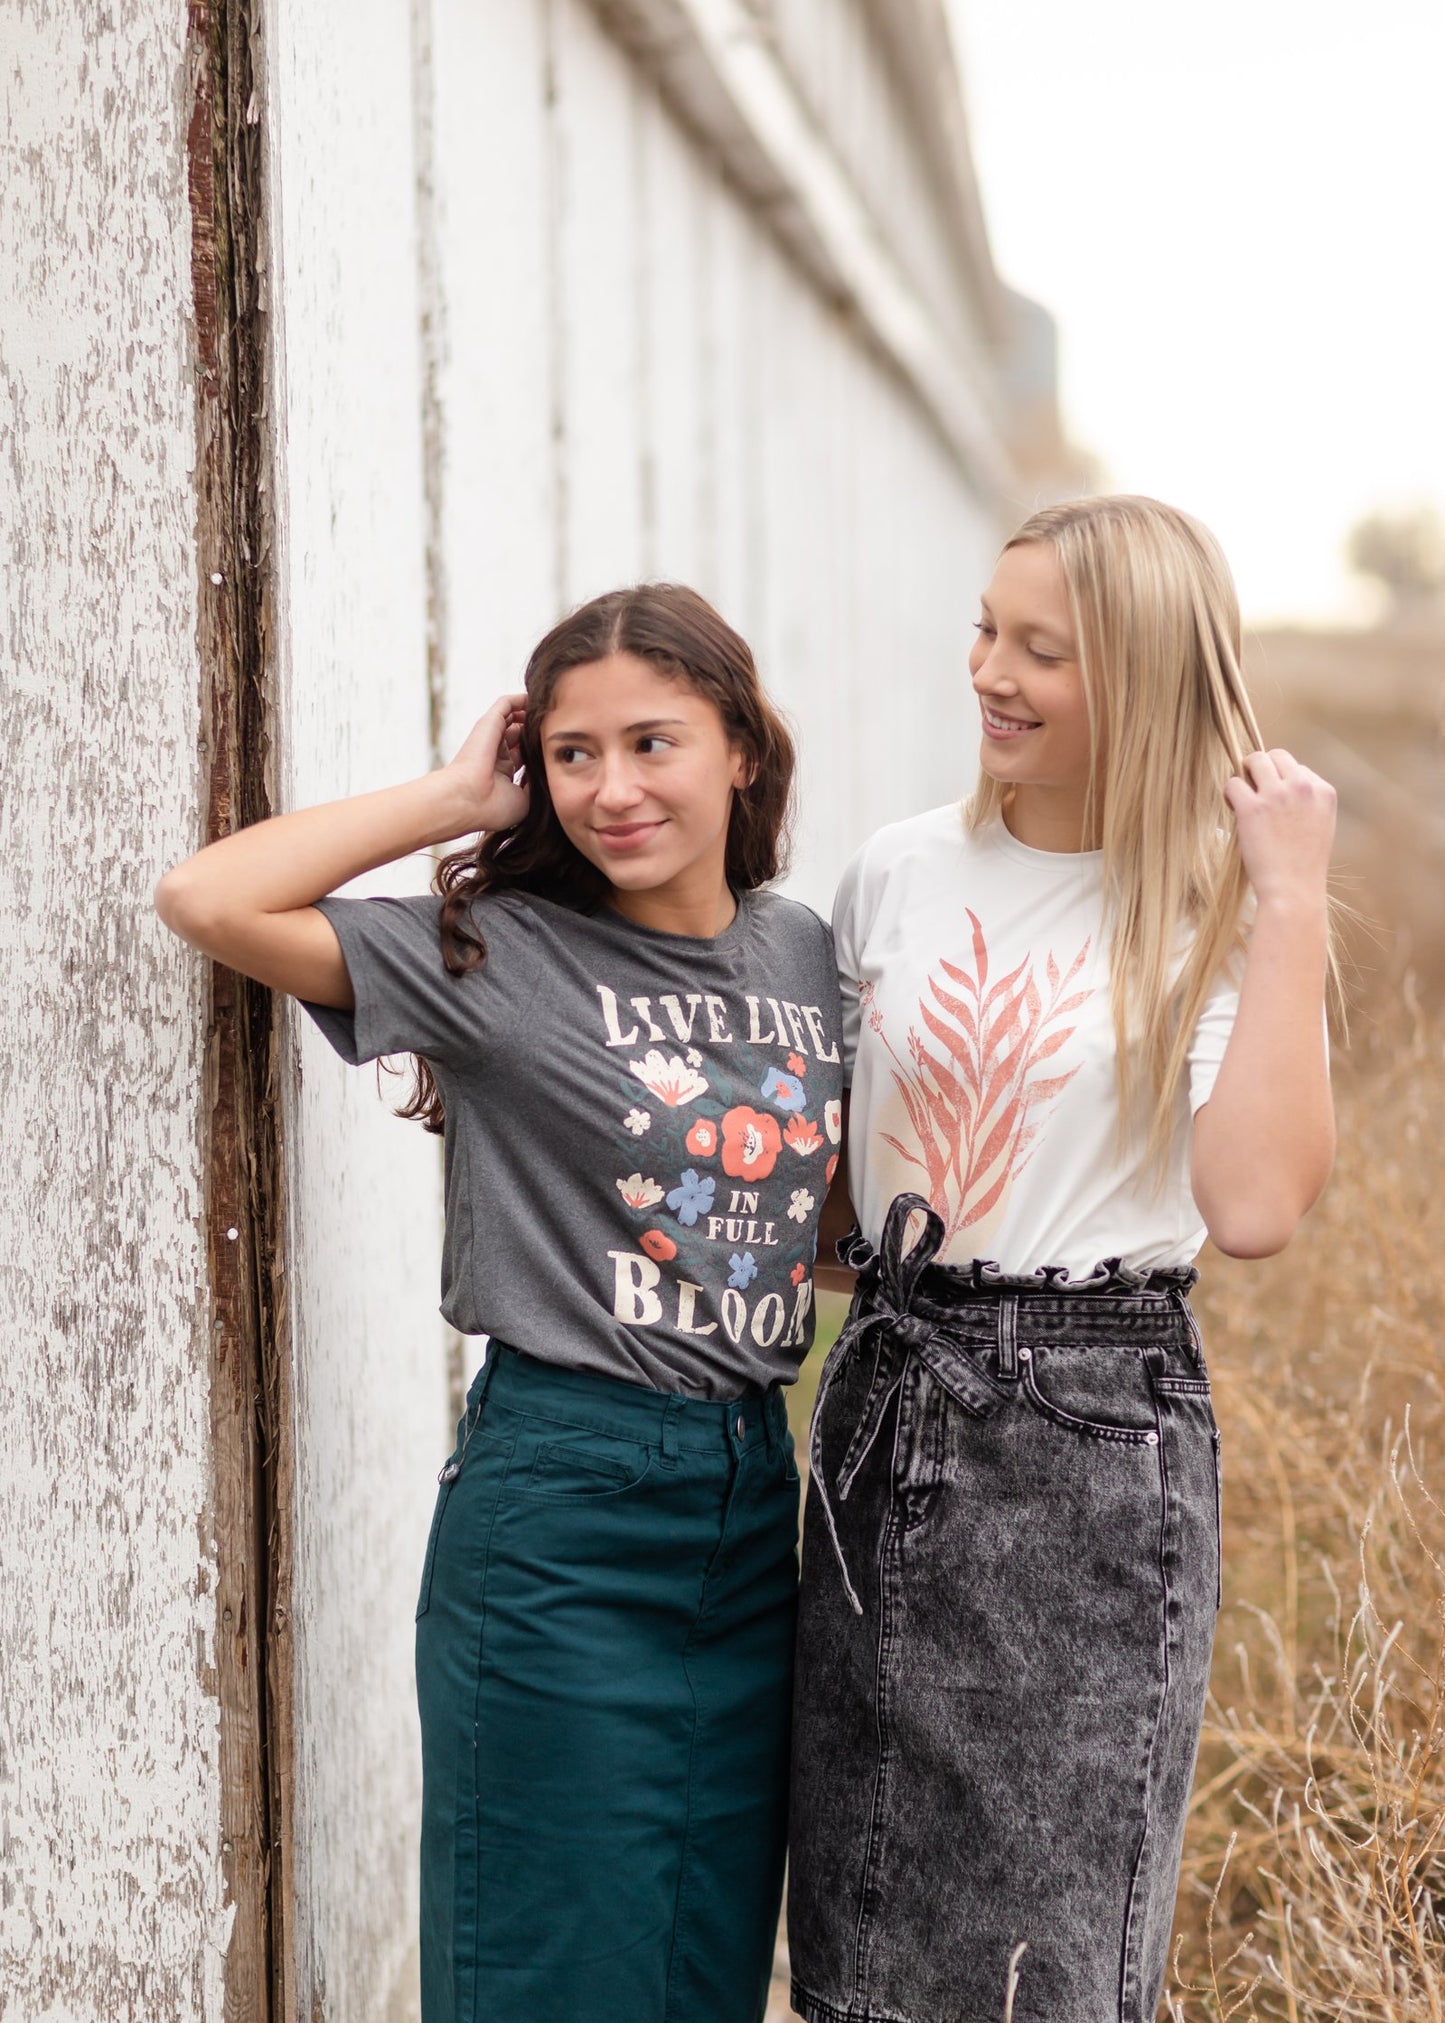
x,y
1084,1027
634,1051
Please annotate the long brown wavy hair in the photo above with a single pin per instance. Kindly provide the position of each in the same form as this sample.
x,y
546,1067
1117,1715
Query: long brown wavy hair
x,y
679,633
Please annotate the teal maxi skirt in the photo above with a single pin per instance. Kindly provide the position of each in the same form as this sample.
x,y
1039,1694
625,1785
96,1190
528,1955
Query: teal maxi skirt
x,y
604,1664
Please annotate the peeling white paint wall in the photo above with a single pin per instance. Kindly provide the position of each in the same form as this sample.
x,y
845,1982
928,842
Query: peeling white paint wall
x,y
111,1897
363,1190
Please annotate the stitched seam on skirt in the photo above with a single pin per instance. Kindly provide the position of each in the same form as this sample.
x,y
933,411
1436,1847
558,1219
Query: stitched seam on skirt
x,y
820,2011
683,1890
1129,1979
891,1534
470,2007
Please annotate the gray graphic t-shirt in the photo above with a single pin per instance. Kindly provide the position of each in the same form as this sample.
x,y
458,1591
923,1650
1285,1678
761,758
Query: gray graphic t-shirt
x,y
640,1126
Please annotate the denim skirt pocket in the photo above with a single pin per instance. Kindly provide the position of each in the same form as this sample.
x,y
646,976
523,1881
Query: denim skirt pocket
x,y
584,1467
1108,1394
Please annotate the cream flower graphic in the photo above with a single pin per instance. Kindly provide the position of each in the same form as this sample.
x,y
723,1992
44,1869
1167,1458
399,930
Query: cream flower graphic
x,y
668,1077
637,1121
637,1192
801,1205
833,1121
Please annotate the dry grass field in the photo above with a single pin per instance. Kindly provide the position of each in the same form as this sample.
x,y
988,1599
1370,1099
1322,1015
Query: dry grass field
x,y
1314,1880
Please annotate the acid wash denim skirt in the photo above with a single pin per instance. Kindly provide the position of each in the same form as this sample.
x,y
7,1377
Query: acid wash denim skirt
x,y
1010,1581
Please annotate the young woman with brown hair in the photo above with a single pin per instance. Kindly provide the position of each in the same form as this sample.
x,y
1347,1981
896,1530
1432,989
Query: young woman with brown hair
x,y
633,1050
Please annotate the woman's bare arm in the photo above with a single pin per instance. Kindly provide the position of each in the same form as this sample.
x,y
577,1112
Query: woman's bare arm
x,y
1265,1140
248,900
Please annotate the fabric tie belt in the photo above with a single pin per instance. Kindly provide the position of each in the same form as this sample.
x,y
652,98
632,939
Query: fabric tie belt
x,y
891,1285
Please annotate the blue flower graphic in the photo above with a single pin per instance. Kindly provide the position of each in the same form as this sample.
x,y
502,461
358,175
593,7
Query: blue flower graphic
x,y
692,1197
744,1269
785,1091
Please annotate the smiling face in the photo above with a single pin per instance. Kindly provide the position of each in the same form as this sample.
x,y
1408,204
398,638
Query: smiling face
x,y
642,779
1030,687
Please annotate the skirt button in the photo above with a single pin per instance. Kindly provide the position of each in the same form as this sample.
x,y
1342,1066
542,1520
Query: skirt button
x,y
740,1426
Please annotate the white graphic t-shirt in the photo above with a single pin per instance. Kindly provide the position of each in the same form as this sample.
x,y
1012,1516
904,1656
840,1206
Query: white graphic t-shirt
x,y
979,1042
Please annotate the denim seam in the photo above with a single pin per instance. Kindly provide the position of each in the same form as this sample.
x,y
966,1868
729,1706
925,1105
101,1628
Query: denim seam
x,y
682,1899
823,2011
470,2004
1129,1978
610,1430
684,1874
862,1942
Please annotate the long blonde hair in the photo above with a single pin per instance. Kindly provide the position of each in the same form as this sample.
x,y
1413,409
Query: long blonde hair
x,y
1156,621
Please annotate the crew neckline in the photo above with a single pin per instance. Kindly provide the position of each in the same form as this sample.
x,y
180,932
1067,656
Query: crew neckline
x,y
1025,853
605,915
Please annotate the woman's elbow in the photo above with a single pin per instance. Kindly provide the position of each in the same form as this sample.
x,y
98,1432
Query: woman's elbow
x,y
1246,1236
1261,1228
184,907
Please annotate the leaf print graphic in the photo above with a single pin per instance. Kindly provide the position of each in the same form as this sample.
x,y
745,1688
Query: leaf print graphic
x,y
974,1099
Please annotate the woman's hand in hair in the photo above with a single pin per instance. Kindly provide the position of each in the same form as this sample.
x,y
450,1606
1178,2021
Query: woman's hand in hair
x,y
1285,816
249,900
484,768
1264,1142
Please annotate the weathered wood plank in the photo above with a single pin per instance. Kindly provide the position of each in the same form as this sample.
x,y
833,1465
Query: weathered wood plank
x,y
362,1190
114,1898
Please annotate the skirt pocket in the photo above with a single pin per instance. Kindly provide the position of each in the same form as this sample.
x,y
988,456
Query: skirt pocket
x,y
1104,1395
587,1467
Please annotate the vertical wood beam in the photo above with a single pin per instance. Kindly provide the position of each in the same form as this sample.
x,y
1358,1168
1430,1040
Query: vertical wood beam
x,y
250,1387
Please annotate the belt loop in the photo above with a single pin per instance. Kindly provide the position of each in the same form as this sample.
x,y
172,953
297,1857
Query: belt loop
x,y
774,1418
491,1356
672,1412
1008,1336
1179,1295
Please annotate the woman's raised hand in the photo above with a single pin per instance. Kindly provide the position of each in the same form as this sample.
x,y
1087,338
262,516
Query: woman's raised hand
x,y
484,768
1286,820
249,899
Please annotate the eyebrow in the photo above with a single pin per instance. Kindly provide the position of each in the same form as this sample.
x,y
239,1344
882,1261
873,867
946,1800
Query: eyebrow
x,y
1063,639
656,723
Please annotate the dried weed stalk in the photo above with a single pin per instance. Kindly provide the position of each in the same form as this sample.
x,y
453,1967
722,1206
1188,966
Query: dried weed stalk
x,y
1314,1877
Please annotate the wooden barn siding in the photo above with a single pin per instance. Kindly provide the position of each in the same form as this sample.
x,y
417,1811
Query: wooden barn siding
x,y
112,1896
363,1190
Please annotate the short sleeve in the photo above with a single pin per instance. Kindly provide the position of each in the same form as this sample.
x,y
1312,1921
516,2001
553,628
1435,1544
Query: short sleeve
x,y
845,945
407,1001
1211,1037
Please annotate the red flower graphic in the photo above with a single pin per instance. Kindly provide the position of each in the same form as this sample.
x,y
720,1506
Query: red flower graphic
x,y
796,1063
803,1135
701,1140
974,1102
829,1170
751,1143
798,1273
657,1246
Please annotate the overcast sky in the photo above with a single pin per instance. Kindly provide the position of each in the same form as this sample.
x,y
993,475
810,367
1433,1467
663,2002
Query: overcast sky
x,y
1237,215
